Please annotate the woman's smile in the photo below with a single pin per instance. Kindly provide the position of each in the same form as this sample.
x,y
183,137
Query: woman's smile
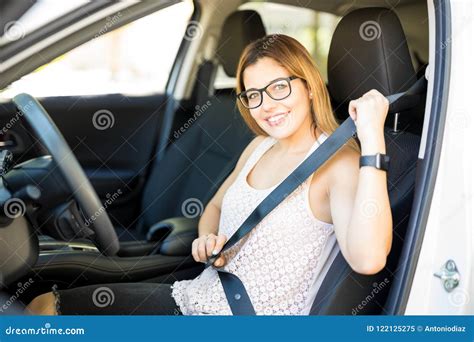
x,y
277,119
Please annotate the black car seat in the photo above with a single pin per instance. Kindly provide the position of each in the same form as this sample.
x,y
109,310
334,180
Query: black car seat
x,y
358,63
199,160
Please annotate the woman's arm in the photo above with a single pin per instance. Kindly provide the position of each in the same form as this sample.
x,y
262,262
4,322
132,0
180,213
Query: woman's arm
x,y
209,240
360,206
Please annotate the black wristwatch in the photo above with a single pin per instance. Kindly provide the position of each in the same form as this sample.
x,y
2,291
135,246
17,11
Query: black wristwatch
x,y
379,161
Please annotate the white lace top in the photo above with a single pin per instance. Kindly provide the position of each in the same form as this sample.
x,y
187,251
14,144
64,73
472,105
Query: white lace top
x,y
281,262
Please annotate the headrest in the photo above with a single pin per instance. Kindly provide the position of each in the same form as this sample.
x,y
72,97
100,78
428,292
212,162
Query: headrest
x,y
240,29
368,51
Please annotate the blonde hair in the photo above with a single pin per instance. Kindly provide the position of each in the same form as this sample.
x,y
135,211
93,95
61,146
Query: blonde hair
x,y
296,59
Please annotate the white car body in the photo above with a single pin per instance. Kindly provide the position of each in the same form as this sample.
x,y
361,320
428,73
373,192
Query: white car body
x,y
449,230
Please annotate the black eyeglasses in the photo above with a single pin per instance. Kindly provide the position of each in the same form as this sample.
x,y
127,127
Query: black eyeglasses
x,y
278,89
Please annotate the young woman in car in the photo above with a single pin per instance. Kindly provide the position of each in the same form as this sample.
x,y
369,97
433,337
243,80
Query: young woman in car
x,y
282,262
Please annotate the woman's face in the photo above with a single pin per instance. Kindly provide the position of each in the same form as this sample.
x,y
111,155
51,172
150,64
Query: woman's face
x,y
278,118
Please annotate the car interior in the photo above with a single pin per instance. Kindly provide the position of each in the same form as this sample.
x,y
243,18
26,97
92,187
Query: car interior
x,y
156,172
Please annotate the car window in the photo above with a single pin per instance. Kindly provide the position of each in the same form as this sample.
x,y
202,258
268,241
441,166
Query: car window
x,y
135,59
313,29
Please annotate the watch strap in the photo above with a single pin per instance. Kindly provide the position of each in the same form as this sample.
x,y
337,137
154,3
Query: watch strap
x,y
379,161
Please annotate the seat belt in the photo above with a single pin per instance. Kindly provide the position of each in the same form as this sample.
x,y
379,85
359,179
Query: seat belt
x,y
234,289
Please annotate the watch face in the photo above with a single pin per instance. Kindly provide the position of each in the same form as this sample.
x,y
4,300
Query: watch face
x,y
384,162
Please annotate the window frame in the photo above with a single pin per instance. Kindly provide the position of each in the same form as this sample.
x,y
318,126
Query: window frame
x,y
10,49
49,49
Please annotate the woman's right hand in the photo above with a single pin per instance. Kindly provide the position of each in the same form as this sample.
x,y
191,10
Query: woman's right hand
x,y
208,245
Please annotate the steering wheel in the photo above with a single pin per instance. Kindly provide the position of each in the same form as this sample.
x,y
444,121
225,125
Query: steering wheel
x,y
48,133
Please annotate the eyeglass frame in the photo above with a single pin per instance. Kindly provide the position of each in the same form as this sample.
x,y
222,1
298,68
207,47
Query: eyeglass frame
x,y
264,89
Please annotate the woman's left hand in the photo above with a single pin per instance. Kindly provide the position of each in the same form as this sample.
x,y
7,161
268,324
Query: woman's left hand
x,y
369,113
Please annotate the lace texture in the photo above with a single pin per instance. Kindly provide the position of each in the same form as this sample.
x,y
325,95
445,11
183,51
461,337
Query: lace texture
x,y
277,261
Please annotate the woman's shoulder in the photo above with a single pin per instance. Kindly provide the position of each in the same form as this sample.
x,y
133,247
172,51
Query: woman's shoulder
x,y
247,152
345,155
342,165
254,143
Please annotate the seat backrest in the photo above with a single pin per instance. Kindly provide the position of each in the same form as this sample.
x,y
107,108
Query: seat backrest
x,y
200,159
369,51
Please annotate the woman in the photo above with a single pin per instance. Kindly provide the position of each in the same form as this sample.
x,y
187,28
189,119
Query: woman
x,y
283,99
